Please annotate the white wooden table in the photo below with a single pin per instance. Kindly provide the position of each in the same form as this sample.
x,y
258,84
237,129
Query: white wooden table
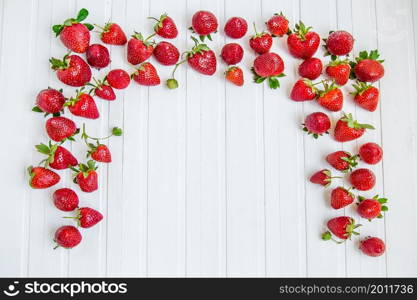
x,y
209,179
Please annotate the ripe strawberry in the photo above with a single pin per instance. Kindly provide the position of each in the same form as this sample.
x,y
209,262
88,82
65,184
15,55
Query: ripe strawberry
x,y
88,217
339,71
58,158
371,208
323,177
366,95
65,199
342,161
139,49
236,27
232,53
42,178
342,227
310,68
166,54
331,97
74,35
60,129
83,105
303,43
316,124
204,23
235,75
102,90
372,246
147,75
268,66
303,90
165,27
367,67
99,152
339,43
71,70
278,25
67,237
118,79
348,129
98,56
370,153
341,197
49,101
86,177
112,34
260,42
362,179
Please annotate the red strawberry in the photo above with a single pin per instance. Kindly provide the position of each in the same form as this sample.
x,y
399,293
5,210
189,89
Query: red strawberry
x,y
165,27
339,43
310,68
49,101
372,246
303,43
232,53
278,25
65,199
341,197
118,79
342,161
303,90
112,34
362,179
268,66
348,129
316,124
102,90
139,49
166,54
339,71
331,97
83,105
236,27
147,75
235,75
342,227
204,23
366,95
371,208
71,70
86,176
74,35
42,178
98,56
99,152
58,158
367,67
370,153
67,237
322,177
88,217
60,129
260,42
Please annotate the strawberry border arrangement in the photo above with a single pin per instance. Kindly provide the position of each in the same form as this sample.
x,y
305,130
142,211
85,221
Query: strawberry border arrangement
x,y
75,71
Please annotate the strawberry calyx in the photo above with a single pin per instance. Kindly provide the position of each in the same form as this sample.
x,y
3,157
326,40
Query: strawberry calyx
x,y
313,134
202,37
348,118
98,84
360,87
105,28
77,216
257,35
300,30
273,81
327,88
352,162
48,150
81,16
58,64
336,61
146,42
73,100
85,169
159,21
329,177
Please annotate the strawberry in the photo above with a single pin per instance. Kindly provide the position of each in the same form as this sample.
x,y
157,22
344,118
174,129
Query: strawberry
x,y
98,56
166,54
165,27
86,176
372,208
65,199
348,129
342,161
58,158
112,34
236,27
87,217
99,152
342,227
260,42
370,153
42,178
232,53
204,23
71,70
67,237
49,101
303,43
339,71
303,90
362,179
322,177
316,124
268,66
341,197
235,75
339,43
74,35
118,79
139,49
367,67
83,105
331,97
366,95
310,68
146,75
278,25
372,246
60,129
102,90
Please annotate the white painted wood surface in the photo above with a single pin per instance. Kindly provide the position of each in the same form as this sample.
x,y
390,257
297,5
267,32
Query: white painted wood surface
x,y
209,179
